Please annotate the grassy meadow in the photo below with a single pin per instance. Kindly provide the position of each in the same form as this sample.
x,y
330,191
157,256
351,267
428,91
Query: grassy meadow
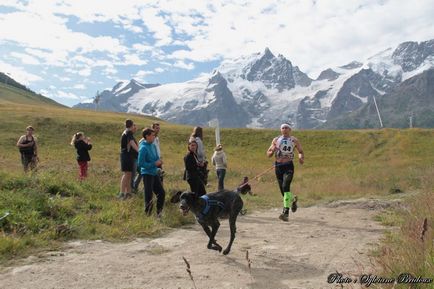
x,y
51,205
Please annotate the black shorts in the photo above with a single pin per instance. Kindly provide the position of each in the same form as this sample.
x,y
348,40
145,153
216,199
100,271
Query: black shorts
x,y
127,162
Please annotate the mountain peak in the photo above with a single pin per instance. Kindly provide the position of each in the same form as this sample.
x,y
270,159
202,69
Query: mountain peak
x,y
352,65
410,55
267,53
217,78
328,74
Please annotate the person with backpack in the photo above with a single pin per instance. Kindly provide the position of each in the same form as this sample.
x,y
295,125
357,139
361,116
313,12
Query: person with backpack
x,y
219,161
193,170
282,147
83,145
28,147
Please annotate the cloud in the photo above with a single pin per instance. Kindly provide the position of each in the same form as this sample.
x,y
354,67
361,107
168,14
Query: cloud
x,y
156,24
59,94
85,71
110,71
66,95
183,65
79,86
133,59
49,32
25,58
140,75
18,73
179,33
313,36
142,47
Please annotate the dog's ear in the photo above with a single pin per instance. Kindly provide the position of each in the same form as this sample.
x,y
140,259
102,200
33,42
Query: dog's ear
x,y
176,197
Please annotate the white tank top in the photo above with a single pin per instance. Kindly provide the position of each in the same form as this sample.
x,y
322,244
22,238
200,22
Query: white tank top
x,y
285,147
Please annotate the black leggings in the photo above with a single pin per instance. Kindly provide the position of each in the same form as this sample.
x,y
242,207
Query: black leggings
x,y
284,174
153,184
197,186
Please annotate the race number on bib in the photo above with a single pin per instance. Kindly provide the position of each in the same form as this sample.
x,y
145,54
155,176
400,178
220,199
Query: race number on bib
x,y
286,147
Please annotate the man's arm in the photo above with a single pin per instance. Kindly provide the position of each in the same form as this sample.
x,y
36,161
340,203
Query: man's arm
x,y
134,145
272,148
300,151
20,144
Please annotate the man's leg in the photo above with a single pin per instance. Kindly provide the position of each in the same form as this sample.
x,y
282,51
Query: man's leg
x,y
133,174
287,195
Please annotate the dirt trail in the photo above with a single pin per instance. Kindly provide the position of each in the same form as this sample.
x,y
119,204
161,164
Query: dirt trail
x,y
301,253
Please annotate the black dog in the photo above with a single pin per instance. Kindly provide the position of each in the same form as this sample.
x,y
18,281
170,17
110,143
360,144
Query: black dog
x,y
208,208
245,187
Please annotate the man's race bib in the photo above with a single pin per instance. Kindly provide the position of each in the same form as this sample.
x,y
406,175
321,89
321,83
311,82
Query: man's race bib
x,y
285,148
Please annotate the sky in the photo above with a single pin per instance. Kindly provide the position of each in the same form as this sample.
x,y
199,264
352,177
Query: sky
x,y
70,49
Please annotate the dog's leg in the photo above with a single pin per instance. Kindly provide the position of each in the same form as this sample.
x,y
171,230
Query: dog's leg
x,y
212,244
233,227
237,207
215,227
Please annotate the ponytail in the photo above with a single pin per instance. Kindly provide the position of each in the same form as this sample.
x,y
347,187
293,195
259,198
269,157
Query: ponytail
x,y
75,137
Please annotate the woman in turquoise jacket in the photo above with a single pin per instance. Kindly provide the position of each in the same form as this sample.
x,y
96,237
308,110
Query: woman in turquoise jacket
x,y
149,161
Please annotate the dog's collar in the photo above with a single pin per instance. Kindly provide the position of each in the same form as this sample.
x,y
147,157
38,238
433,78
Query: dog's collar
x,y
208,204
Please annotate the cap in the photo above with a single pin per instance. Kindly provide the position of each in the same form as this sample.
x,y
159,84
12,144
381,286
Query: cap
x,y
285,125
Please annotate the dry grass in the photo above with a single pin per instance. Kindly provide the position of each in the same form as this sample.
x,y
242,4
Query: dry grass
x,y
411,248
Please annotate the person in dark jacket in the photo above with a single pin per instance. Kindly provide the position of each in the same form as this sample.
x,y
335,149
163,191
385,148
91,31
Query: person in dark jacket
x,y
197,136
193,170
83,145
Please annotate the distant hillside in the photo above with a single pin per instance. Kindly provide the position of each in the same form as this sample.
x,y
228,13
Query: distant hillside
x,y
14,92
10,81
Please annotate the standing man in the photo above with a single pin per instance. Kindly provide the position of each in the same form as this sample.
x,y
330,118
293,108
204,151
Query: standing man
x,y
29,149
128,156
156,128
283,149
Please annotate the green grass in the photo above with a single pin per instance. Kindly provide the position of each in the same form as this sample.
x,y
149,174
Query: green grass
x,y
52,206
408,249
14,95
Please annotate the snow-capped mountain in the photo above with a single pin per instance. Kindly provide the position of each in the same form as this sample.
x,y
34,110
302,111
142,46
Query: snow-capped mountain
x,y
117,98
263,90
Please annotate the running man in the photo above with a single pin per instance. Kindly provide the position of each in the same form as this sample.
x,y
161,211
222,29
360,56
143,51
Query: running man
x,y
282,147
